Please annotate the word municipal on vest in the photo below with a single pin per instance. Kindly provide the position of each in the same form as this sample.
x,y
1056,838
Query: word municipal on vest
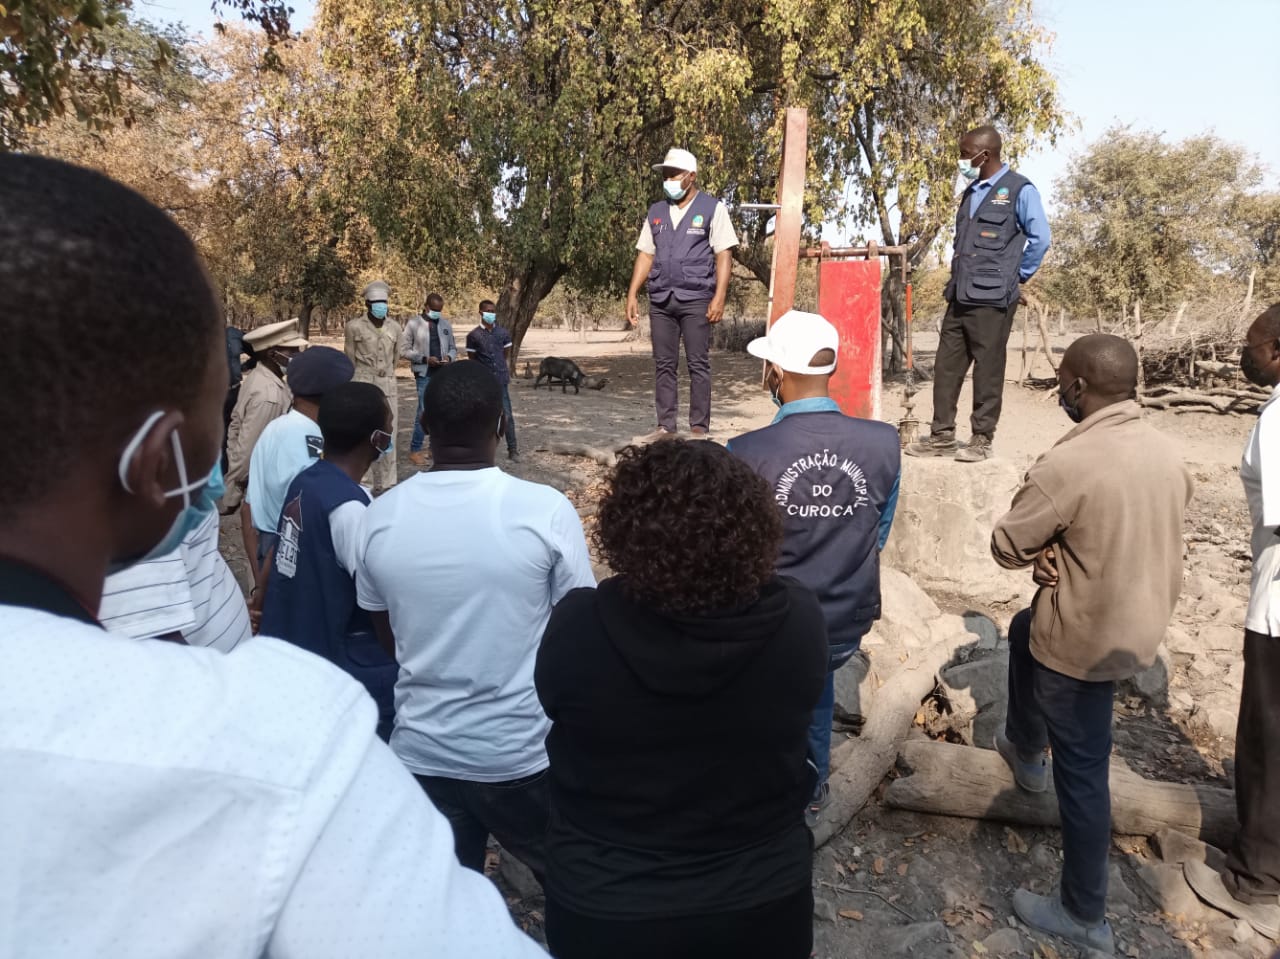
x,y
791,483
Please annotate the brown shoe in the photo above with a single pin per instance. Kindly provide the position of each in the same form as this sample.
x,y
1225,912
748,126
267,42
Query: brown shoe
x,y
699,433
420,458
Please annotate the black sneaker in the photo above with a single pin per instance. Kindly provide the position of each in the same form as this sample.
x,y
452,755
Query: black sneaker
x,y
977,450
513,456
935,444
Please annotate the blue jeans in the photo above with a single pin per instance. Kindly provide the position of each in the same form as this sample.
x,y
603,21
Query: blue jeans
x,y
419,435
824,711
1073,717
511,418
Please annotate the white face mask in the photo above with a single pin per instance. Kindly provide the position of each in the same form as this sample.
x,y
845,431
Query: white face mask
x,y
674,189
967,170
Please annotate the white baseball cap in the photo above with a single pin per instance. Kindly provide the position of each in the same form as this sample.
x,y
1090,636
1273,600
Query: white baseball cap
x,y
794,340
678,160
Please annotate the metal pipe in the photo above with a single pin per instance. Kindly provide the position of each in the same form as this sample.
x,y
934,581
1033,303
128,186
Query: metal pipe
x,y
849,252
759,206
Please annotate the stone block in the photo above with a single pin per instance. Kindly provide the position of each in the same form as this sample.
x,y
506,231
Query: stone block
x,y
1152,684
1168,889
1003,942
942,528
1216,637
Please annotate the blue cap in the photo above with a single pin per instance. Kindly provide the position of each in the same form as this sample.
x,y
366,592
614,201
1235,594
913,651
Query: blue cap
x,y
315,371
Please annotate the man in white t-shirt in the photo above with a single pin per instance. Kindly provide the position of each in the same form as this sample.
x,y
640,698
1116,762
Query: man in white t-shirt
x,y
1249,888
460,567
157,799
289,445
685,256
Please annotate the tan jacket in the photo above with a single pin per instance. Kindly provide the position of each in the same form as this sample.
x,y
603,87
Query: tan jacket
x,y
374,350
263,397
1110,498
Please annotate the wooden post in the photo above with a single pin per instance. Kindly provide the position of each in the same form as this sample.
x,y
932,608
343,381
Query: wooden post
x,y
1177,318
1042,320
1026,330
1137,327
790,216
1062,321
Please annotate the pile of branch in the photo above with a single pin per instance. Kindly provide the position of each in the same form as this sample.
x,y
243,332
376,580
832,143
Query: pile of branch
x,y
1215,400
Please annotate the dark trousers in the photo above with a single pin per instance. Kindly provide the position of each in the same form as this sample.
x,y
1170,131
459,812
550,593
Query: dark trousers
x,y
670,322
511,418
976,335
1253,862
782,929
515,813
1073,718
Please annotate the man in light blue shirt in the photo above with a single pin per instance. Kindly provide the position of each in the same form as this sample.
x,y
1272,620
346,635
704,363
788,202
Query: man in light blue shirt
x,y
1001,238
293,442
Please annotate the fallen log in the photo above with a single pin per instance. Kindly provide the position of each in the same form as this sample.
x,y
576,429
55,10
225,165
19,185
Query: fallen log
x,y
951,780
858,765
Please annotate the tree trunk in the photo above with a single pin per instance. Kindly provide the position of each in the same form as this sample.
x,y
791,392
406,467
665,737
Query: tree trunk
x,y
950,780
1248,296
304,320
858,765
893,320
527,286
1137,343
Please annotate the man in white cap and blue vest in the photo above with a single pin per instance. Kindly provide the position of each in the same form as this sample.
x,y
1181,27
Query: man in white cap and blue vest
x,y
373,343
685,254
835,479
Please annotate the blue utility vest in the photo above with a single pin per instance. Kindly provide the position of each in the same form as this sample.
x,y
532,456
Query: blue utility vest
x,y
989,247
311,600
684,265
832,476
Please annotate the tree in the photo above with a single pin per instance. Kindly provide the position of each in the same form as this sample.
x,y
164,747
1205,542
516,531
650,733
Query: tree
x,y
1145,220
523,130
53,57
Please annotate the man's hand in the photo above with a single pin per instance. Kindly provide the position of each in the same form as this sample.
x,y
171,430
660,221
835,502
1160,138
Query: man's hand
x,y
715,312
633,311
433,361
1045,570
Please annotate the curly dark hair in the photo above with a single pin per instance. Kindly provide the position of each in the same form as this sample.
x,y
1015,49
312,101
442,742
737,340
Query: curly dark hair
x,y
689,527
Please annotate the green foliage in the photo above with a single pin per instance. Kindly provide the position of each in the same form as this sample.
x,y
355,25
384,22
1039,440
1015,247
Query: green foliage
x,y
53,59
523,130
1143,219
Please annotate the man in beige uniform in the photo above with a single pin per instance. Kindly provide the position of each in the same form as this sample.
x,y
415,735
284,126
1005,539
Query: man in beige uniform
x,y
263,397
373,343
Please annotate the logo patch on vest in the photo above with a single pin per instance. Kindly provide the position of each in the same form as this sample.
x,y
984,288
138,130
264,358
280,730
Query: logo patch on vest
x,y
1001,197
817,499
286,562
987,234
697,221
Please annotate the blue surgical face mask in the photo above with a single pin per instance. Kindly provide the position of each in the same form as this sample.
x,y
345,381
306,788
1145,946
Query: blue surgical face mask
x,y
378,311
490,318
195,510
433,314
674,189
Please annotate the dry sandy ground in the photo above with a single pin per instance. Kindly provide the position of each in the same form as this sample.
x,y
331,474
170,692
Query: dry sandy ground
x,y
944,885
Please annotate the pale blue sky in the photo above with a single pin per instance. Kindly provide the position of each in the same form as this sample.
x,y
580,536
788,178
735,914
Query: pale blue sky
x,y
1174,66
